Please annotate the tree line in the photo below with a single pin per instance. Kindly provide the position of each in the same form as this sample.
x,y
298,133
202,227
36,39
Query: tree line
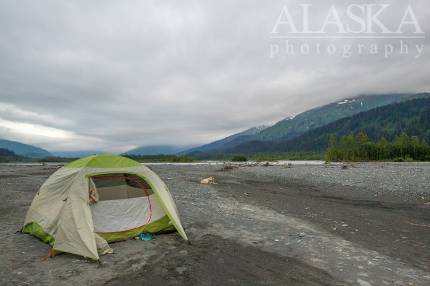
x,y
358,147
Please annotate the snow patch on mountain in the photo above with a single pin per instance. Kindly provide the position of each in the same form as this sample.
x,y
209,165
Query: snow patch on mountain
x,y
346,101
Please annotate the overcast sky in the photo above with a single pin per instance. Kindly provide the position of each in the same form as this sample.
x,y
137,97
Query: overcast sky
x,y
113,75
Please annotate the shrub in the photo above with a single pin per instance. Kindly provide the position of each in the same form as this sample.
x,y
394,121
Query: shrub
x,y
182,159
239,159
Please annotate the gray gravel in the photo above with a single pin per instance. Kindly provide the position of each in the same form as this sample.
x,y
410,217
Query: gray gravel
x,y
406,182
353,239
364,225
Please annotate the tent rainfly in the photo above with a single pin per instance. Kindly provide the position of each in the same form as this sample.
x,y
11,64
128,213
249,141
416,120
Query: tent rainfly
x,y
99,199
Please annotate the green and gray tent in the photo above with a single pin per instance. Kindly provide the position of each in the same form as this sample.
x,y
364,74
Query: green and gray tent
x,y
99,199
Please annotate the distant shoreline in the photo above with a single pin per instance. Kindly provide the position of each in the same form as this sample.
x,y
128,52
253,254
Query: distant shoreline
x,y
240,164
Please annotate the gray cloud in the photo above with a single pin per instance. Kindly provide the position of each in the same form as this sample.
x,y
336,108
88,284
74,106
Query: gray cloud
x,y
116,74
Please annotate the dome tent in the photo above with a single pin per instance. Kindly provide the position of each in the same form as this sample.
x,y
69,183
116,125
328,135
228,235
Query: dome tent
x,y
98,199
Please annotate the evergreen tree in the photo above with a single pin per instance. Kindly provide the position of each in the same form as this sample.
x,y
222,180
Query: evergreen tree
x,y
383,148
415,145
401,143
332,150
358,147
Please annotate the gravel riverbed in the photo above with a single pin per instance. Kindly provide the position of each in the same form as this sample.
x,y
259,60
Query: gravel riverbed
x,y
368,224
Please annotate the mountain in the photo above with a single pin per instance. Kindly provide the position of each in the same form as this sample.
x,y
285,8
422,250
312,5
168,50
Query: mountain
x,y
294,126
75,154
228,142
156,150
410,117
22,149
311,119
8,156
